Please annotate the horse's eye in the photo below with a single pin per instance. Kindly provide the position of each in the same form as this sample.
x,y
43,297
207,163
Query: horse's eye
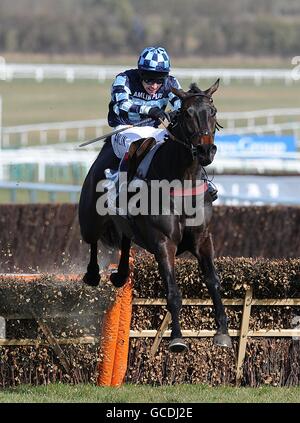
x,y
189,112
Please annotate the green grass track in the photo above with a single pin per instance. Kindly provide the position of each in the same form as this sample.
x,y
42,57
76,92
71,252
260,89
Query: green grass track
x,y
63,393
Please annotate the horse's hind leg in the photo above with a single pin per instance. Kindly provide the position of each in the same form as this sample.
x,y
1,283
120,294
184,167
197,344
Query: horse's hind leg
x,y
92,276
205,254
119,278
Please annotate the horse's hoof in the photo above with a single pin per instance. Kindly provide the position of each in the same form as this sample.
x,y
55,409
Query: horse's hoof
x,y
118,280
177,345
91,279
222,340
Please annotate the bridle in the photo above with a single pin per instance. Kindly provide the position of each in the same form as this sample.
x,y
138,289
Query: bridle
x,y
207,138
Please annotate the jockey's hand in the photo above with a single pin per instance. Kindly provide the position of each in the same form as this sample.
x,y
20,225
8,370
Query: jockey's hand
x,y
172,114
157,113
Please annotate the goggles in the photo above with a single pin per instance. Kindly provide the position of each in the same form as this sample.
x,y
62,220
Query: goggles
x,y
151,81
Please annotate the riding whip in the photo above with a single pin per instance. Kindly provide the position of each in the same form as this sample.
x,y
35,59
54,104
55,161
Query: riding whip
x,y
142,122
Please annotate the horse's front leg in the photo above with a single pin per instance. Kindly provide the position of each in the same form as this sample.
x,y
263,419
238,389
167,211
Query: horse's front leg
x,y
92,276
205,256
165,257
119,278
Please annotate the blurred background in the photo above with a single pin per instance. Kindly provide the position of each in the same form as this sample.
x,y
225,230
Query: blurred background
x,y
59,58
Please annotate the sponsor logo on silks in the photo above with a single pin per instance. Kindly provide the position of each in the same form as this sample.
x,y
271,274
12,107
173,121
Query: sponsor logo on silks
x,y
145,96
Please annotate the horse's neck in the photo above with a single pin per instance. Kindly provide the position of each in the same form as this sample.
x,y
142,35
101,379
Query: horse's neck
x,y
173,161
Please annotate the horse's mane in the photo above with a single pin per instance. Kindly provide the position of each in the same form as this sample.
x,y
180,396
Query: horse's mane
x,y
194,89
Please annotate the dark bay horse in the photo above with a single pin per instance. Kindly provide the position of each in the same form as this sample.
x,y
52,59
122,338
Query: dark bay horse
x,y
188,147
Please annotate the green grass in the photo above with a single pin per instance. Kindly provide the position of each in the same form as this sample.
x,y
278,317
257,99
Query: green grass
x,y
26,101
138,393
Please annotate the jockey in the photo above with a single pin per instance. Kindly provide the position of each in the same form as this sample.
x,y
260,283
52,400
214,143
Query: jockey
x,y
140,93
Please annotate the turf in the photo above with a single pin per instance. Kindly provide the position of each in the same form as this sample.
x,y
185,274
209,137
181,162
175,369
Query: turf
x,y
60,393
26,101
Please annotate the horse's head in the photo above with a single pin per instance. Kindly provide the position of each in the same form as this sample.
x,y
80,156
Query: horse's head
x,y
196,122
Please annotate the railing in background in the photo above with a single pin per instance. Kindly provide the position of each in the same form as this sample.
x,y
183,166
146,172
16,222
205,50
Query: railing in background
x,y
27,133
41,158
72,191
32,189
60,129
230,119
70,73
79,161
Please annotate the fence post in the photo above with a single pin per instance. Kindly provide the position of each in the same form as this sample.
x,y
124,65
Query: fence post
x,y
244,334
160,333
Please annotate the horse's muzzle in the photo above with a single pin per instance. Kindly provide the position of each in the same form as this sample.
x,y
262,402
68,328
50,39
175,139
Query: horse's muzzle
x,y
206,153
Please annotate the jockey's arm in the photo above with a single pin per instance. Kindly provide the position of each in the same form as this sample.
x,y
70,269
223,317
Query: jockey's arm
x,y
174,101
122,97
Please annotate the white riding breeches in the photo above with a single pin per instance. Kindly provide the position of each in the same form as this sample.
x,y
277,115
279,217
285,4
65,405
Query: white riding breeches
x,y
121,141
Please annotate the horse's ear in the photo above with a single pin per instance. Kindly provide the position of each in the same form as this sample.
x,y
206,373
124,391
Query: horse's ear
x,y
179,93
213,88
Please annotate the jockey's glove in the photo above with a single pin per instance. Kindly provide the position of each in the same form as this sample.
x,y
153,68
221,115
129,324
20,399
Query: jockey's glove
x,y
157,113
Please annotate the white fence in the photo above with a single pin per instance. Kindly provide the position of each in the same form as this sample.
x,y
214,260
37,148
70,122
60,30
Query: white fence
x,y
24,132
42,158
252,117
230,120
53,190
32,189
49,157
70,73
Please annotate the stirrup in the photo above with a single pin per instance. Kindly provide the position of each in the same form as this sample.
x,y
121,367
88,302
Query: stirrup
x,y
212,191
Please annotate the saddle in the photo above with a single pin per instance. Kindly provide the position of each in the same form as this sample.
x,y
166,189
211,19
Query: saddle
x,y
137,151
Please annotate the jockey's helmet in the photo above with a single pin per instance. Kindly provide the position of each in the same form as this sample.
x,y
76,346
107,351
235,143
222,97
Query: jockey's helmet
x,y
154,59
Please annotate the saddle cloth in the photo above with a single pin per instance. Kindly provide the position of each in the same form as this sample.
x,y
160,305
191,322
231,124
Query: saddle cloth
x,y
113,186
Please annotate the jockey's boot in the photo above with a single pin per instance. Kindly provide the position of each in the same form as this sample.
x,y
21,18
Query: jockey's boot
x,y
123,167
212,191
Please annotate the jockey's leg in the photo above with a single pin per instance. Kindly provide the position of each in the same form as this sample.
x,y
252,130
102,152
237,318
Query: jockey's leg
x,y
213,191
122,141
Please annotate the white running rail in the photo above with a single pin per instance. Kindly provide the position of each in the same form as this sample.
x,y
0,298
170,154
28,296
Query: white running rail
x,y
70,73
251,117
73,191
285,163
232,122
23,132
